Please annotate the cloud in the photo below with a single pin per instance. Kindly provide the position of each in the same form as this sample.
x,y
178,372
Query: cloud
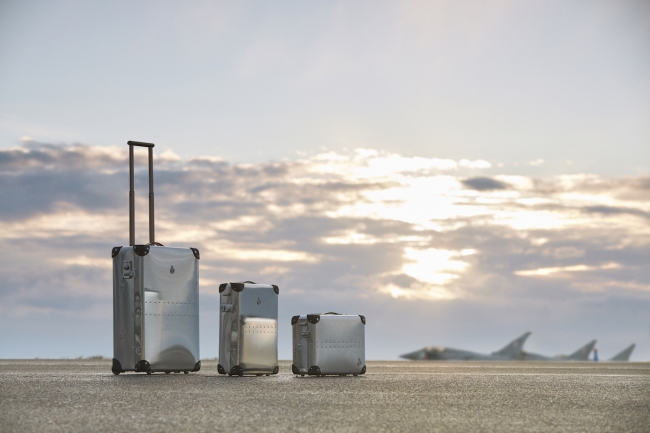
x,y
562,269
484,184
616,210
362,228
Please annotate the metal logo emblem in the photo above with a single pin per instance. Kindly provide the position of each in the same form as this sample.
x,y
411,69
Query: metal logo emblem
x,y
171,270
259,301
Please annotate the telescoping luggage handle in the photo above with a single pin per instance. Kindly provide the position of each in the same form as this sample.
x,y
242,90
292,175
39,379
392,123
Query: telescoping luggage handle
x,y
152,240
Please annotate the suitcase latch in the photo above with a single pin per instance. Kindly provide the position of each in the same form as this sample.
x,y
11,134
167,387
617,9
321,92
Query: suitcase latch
x,y
226,308
304,334
127,269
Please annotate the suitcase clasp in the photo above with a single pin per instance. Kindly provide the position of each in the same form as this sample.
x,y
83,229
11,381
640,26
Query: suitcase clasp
x,y
226,308
127,269
304,334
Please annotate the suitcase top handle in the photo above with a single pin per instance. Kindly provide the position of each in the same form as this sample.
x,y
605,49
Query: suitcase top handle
x,y
315,318
150,146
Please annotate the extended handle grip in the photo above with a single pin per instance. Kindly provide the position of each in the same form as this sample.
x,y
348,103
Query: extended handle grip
x,y
150,146
140,143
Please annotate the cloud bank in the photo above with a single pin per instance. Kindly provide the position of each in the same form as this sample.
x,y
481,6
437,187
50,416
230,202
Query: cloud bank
x,y
444,247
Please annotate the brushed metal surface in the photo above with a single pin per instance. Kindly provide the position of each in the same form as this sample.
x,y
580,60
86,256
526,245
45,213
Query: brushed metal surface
x,y
336,344
339,344
171,309
301,344
228,314
248,334
258,344
158,309
124,310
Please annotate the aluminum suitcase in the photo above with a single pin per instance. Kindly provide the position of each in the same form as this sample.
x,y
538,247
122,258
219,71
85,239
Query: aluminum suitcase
x,y
329,344
248,330
155,299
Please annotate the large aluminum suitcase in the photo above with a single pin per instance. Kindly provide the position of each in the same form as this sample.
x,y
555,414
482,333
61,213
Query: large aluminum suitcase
x,y
155,299
248,332
329,344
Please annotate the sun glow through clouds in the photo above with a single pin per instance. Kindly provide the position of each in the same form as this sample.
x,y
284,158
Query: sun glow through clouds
x,y
412,228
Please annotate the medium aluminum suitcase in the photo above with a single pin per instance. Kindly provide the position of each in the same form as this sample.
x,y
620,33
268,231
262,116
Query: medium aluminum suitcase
x,y
248,333
155,299
329,344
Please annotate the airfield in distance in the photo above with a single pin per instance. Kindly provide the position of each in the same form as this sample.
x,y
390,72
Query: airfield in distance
x,y
513,351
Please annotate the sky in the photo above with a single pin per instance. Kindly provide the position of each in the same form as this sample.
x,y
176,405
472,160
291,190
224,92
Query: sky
x,y
458,172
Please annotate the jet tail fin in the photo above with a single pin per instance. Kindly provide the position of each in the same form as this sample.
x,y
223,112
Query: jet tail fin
x,y
513,349
582,354
624,355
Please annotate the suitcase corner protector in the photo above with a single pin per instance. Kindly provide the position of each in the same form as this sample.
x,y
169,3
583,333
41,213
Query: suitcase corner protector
x,y
116,368
141,250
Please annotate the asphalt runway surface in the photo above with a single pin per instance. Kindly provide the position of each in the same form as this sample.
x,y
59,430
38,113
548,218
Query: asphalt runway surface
x,y
83,396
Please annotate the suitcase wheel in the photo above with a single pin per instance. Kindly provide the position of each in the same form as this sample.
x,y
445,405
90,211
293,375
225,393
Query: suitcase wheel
x,y
355,375
177,371
167,372
186,372
302,375
148,372
342,375
259,375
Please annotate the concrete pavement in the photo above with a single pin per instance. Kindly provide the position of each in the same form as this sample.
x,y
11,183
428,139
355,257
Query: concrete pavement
x,y
83,395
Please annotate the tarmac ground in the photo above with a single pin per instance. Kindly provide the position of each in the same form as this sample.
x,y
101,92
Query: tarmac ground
x,y
84,396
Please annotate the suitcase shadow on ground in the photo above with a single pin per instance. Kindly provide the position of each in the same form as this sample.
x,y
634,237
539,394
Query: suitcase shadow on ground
x,y
348,377
245,376
153,376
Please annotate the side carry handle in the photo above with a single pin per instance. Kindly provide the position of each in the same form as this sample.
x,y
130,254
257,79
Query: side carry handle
x,y
152,239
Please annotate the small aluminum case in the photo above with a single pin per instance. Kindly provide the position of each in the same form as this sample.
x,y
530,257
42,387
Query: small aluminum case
x,y
248,332
155,309
329,344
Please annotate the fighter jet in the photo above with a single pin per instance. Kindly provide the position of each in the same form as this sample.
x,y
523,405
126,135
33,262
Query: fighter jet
x,y
581,354
510,352
624,355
